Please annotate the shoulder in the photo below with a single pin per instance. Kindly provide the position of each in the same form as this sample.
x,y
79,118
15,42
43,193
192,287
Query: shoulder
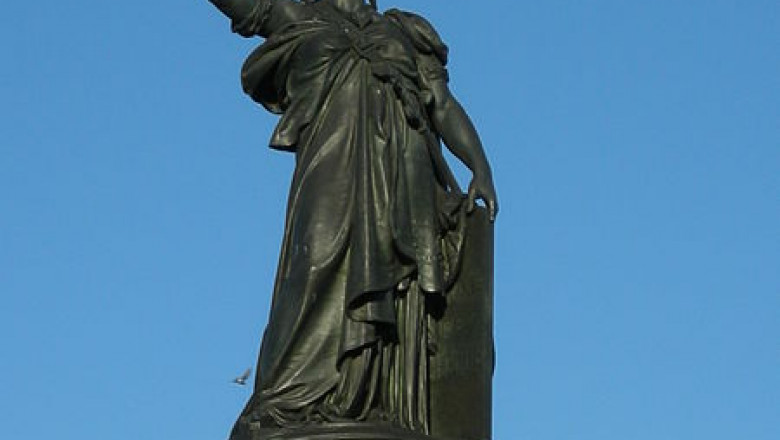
x,y
421,33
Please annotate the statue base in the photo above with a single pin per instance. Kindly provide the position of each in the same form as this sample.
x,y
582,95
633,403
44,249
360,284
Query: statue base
x,y
340,431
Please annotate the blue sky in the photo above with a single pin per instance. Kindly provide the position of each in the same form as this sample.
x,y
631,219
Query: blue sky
x,y
635,147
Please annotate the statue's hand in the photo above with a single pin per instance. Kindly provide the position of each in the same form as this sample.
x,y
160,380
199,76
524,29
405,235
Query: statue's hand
x,y
481,187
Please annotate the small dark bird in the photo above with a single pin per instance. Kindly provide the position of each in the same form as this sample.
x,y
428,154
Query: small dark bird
x,y
241,380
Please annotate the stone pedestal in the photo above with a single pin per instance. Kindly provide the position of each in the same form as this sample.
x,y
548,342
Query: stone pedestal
x,y
461,369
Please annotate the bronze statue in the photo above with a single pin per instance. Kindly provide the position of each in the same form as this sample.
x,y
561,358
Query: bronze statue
x,y
375,220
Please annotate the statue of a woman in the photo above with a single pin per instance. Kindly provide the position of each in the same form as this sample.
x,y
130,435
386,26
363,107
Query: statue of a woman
x,y
374,221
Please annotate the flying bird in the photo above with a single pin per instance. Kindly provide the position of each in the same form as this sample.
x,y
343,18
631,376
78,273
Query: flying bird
x,y
241,380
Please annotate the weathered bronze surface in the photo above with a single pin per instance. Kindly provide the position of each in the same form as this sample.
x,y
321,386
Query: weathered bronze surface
x,y
381,320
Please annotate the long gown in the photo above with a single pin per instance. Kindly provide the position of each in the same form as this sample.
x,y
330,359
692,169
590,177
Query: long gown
x,y
373,228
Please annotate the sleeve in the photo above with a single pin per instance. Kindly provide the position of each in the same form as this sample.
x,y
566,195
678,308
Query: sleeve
x,y
432,53
254,23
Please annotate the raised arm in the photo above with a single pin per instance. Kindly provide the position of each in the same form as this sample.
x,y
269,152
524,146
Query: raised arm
x,y
236,10
260,17
459,135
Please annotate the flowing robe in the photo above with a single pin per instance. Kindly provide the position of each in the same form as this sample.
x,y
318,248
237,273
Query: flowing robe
x,y
373,226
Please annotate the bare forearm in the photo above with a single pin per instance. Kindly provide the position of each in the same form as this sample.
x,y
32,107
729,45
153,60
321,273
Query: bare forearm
x,y
459,135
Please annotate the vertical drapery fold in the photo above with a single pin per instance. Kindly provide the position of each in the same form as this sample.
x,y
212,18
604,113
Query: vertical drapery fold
x,y
371,229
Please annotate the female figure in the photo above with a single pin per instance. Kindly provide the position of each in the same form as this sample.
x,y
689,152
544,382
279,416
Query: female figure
x,y
374,220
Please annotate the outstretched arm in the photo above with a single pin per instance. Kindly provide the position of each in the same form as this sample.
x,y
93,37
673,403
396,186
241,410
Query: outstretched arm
x,y
459,135
236,10
275,14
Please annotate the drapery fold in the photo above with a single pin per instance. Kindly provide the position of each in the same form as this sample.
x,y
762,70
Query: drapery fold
x,y
372,222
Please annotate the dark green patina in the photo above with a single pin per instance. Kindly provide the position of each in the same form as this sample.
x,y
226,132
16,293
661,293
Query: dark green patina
x,y
381,321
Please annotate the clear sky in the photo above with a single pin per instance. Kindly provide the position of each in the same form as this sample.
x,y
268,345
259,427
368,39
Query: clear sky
x,y
635,147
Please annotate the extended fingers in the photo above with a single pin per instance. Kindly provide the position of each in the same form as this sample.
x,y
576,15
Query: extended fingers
x,y
471,201
492,209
